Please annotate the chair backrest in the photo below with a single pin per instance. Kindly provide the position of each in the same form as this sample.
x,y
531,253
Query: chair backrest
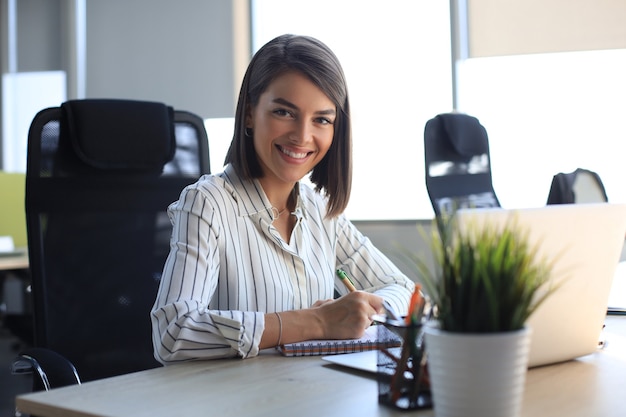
x,y
100,175
457,163
579,186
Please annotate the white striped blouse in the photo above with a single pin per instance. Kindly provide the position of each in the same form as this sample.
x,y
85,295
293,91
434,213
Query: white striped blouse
x,y
228,266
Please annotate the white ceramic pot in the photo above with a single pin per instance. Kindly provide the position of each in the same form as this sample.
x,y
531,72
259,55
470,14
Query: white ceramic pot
x,y
477,375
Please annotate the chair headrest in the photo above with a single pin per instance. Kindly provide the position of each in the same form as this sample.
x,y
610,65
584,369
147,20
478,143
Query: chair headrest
x,y
465,133
112,134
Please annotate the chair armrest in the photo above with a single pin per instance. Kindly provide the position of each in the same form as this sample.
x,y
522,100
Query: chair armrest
x,y
50,369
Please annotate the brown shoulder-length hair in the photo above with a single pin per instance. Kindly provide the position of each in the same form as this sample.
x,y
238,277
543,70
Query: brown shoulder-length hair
x,y
312,58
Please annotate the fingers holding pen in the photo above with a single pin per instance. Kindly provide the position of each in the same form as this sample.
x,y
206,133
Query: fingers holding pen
x,y
348,316
376,302
370,305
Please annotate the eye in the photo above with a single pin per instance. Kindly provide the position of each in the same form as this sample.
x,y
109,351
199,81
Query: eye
x,y
324,121
282,112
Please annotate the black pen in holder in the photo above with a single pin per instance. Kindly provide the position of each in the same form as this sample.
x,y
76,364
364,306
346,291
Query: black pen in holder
x,y
402,373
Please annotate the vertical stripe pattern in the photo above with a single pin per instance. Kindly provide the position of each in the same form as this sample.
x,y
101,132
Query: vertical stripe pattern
x,y
228,266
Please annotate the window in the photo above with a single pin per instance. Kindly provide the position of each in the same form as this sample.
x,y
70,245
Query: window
x,y
549,113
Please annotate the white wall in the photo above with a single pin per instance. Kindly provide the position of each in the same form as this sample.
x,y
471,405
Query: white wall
x,y
186,53
179,52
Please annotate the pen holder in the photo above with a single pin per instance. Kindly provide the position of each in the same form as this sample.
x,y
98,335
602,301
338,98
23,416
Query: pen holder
x,y
402,373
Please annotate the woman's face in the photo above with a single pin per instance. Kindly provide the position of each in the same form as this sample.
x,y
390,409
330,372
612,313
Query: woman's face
x,y
293,126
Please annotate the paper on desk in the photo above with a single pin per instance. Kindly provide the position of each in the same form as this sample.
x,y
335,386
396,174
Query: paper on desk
x,y
6,244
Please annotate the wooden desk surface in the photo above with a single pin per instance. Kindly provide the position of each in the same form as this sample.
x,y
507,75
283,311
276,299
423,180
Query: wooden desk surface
x,y
271,385
19,260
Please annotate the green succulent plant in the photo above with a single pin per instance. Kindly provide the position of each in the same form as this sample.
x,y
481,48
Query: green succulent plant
x,y
485,279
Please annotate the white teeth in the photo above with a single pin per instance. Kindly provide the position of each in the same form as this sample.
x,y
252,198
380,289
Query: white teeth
x,y
293,154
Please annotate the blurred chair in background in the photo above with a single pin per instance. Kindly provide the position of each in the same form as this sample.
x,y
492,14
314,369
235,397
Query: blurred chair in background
x,y
100,176
579,186
457,163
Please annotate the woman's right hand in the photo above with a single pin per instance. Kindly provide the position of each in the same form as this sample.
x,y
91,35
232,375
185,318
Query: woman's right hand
x,y
348,316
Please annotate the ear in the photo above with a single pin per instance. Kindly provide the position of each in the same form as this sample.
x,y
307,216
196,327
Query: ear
x,y
248,119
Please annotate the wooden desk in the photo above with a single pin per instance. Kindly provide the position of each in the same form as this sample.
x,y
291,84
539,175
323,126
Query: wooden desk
x,y
271,385
14,261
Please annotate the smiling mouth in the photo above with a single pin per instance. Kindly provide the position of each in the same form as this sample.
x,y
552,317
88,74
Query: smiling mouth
x,y
291,154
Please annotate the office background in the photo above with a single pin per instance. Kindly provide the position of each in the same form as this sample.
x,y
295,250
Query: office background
x,y
546,79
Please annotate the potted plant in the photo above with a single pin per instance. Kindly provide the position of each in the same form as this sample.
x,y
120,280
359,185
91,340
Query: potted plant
x,y
486,282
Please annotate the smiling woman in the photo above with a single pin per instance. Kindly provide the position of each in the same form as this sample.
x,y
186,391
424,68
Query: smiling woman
x,y
322,88
254,250
291,130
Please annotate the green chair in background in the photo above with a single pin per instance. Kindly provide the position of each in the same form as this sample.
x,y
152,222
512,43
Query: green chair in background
x,y
12,212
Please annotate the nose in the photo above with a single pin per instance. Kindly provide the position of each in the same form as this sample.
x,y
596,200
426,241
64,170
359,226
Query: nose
x,y
301,133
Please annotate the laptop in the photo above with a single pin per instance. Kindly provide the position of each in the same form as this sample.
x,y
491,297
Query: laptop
x,y
585,241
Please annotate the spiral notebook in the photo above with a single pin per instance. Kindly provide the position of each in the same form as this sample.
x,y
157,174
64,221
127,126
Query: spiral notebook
x,y
375,337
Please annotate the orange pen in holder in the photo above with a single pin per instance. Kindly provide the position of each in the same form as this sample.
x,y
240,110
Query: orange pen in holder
x,y
416,306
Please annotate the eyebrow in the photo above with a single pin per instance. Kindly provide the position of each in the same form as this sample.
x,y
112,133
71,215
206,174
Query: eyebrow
x,y
287,103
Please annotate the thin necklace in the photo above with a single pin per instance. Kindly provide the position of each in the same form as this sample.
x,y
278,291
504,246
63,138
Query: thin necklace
x,y
277,213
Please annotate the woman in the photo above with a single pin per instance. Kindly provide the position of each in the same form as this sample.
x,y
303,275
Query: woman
x,y
254,251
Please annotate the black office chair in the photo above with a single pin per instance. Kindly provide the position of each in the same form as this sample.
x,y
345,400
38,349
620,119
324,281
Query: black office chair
x,y
457,163
100,175
578,186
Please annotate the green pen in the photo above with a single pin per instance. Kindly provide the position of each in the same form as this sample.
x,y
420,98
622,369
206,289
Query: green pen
x,y
346,281
350,286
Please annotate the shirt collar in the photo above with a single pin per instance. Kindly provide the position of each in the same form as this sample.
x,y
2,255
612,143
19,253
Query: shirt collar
x,y
251,198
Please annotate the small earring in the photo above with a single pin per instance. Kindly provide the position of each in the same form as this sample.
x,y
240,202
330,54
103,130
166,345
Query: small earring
x,y
248,132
